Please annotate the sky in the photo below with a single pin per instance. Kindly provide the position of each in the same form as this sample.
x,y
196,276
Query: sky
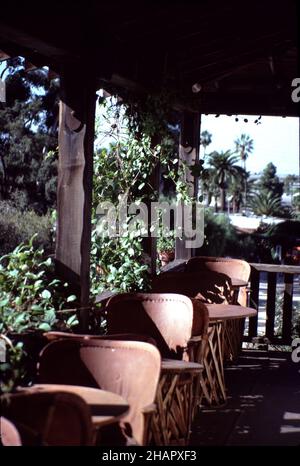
x,y
276,140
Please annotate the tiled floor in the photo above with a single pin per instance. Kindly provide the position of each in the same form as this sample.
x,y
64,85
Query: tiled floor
x,y
263,406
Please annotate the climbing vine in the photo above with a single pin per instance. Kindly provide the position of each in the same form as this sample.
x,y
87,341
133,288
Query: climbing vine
x,y
134,137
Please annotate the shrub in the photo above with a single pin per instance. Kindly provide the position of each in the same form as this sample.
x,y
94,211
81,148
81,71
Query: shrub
x,y
218,233
18,227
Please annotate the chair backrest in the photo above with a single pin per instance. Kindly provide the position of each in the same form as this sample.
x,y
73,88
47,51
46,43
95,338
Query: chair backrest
x,y
234,268
9,435
200,318
49,418
166,317
207,286
128,368
55,335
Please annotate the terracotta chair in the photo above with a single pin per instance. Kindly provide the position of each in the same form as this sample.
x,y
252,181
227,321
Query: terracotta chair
x,y
49,418
169,320
207,286
215,287
128,368
9,435
235,269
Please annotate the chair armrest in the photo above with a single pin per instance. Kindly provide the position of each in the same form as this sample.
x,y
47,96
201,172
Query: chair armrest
x,y
149,409
195,339
177,367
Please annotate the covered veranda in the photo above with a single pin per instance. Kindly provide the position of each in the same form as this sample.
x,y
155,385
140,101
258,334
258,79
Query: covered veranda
x,y
214,57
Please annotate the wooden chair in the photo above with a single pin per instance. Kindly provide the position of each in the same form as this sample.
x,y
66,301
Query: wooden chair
x,y
206,286
168,319
49,418
211,287
234,269
128,368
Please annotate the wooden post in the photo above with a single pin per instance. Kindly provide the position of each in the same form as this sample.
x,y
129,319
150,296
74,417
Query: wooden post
x,y
189,145
254,302
271,304
287,309
75,172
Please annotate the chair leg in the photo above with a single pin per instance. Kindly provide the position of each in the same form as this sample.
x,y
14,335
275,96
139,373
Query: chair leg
x,y
233,338
212,379
171,424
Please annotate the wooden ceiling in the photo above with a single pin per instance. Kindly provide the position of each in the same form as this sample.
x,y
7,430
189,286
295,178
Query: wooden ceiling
x,y
240,56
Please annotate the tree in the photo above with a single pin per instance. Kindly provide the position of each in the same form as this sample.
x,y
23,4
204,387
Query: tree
x,y
224,170
28,122
289,181
270,183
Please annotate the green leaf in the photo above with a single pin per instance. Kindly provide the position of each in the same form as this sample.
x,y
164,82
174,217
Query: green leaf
x,y
4,302
44,326
71,298
37,307
46,294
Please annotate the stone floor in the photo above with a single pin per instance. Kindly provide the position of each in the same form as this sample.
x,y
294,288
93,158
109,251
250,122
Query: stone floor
x,y
263,406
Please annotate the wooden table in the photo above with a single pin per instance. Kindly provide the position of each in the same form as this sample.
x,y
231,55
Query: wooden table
x,y
213,382
106,407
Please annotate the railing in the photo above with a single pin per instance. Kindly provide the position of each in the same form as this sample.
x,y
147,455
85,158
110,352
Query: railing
x,y
276,275
272,271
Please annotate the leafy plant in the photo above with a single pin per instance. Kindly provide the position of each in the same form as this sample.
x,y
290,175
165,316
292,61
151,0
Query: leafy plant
x,y
140,139
29,292
118,263
12,369
166,241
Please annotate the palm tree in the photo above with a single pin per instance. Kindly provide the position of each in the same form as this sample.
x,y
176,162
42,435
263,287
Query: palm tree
x,y
208,185
236,190
205,139
224,170
264,203
244,147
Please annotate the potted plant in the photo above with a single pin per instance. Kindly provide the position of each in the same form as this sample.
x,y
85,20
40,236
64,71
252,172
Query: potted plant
x,y
166,247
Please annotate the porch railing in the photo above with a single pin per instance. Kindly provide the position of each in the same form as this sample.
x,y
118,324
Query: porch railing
x,y
279,281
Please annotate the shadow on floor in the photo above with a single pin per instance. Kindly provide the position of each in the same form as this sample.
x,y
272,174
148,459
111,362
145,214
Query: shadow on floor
x,y
263,406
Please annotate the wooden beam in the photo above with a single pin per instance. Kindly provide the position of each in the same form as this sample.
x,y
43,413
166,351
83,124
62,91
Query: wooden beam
x,y
189,145
75,171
